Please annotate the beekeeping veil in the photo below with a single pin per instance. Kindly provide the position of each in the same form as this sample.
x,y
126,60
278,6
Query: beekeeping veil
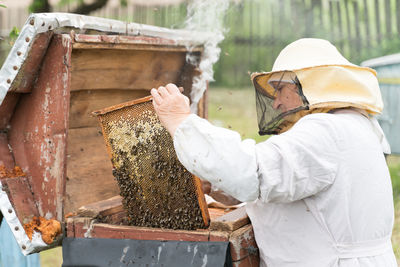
x,y
325,81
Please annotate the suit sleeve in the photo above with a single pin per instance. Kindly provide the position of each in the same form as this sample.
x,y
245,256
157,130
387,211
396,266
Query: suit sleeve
x,y
284,168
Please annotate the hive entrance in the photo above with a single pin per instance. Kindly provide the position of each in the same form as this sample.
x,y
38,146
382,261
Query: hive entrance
x,y
157,190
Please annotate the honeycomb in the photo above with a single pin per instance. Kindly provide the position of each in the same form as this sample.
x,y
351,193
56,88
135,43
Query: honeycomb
x,y
156,188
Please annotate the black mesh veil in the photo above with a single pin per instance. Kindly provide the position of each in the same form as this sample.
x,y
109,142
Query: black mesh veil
x,y
273,121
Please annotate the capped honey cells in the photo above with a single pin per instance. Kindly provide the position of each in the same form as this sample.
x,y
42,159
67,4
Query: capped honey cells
x,y
157,190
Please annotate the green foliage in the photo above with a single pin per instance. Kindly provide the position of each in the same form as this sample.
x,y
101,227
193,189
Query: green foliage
x,y
13,35
123,3
35,5
63,3
394,169
3,6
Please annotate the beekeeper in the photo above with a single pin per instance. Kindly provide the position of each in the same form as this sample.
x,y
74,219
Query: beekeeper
x,y
318,192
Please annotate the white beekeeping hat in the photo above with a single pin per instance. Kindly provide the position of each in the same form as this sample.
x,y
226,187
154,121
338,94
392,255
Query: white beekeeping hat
x,y
328,81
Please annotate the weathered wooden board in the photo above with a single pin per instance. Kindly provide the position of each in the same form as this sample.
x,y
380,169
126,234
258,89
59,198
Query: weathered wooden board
x,y
84,41
124,69
39,129
124,46
21,198
6,157
243,245
104,207
84,102
216,212
250,261
84,227
25,79
89,169
230,221
7,109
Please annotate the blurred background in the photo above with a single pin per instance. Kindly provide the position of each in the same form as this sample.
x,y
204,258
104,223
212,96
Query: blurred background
x,y
255,32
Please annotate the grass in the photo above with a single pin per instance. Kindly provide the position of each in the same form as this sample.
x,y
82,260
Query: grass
x,y
235,109
51,257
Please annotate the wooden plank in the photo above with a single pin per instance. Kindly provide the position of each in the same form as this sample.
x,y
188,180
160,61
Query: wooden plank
x,y
138,47
230,221
202,201
250,261
70,231
103,208
39,129
188,72
6,156
130,69
21,198
101,230
219,236
28,72
88,165
243,244
7,109
216,212
118,218
84,102
81,226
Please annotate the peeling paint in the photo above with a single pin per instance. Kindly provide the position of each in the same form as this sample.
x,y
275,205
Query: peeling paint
x,y
13,221
159,253
66,41
88,233
124,251
58,158
194,253
39,204
204,261
48,215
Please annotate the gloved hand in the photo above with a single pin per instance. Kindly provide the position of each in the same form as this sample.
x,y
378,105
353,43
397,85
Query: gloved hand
x,y
172,107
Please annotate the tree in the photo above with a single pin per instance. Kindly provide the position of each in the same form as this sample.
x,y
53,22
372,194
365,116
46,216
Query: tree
x,y
38,6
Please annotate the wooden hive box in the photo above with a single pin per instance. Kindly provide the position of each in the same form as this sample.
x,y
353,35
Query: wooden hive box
x,y
62,68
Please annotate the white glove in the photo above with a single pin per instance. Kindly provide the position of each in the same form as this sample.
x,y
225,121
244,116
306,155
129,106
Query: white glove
x,y
172,107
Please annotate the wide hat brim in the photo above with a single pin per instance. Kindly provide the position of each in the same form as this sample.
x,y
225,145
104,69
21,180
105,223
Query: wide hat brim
x,y
261,80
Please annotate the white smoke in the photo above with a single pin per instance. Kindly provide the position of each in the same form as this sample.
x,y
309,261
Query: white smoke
x,y
205,16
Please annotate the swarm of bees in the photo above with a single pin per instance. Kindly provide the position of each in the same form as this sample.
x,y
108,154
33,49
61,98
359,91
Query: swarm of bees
x,y
157,190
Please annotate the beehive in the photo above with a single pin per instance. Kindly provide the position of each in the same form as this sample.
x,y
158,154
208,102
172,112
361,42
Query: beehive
x,y
156,188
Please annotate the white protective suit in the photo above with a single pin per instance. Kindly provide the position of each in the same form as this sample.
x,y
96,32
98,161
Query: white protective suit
x,y
317,195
